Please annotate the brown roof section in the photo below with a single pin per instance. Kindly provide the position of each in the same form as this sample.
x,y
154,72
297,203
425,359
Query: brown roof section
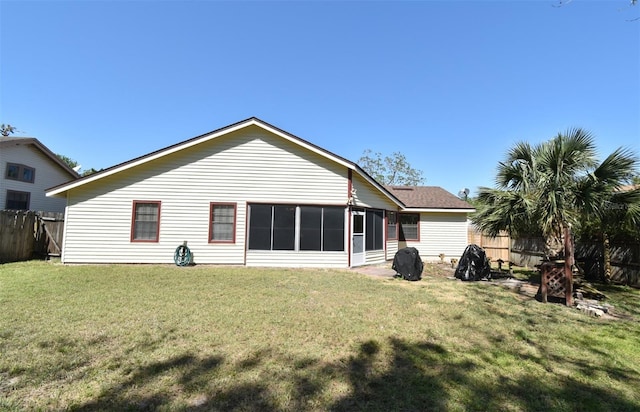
x,y
427,197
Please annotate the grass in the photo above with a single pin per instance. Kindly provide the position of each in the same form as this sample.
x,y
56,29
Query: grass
x,y
89,338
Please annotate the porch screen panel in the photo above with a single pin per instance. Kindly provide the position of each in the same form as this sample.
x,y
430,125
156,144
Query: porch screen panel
x,y
373,236
333,229
260,227
284,227
310,228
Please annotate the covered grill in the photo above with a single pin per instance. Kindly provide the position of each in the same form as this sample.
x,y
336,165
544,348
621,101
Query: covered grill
x,y
407,264
473,264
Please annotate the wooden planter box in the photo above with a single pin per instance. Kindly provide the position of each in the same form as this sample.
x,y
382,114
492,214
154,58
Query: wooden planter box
x,y
556,280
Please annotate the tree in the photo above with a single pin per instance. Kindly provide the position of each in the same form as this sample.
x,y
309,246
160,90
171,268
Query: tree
x,y
89,171
390,170
543,189
68,161
75,165
614,210
6,129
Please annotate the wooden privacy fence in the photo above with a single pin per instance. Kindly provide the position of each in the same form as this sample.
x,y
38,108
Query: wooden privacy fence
x,y
25,235
529,252
625,260
589,255
496,248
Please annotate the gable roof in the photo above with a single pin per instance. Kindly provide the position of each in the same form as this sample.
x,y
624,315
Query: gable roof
x,y
429,198
253,121
10,141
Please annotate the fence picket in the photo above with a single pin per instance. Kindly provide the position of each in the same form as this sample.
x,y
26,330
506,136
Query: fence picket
x,y
27,234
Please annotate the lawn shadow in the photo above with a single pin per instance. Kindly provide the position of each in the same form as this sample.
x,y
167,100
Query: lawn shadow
x,y
124,396
394,375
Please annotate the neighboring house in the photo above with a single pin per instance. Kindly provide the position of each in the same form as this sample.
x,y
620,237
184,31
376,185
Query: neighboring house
x,y
28,168
247,194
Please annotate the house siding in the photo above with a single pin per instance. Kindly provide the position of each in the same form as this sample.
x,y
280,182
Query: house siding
x,y
247,166
368,196
392,249
441,233
47,174
373,257
296,259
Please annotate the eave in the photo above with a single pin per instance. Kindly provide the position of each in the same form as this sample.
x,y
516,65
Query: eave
x,y
436,210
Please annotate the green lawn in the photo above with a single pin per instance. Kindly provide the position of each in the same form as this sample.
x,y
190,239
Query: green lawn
x,y
140,337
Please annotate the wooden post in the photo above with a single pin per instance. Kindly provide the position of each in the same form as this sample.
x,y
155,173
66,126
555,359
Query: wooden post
x,y
568,263
544,276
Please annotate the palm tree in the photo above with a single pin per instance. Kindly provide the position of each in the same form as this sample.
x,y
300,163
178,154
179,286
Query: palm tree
x,y
609,207
546,188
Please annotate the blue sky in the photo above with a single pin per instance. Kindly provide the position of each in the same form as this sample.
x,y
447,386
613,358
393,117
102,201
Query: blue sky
x,y
450,84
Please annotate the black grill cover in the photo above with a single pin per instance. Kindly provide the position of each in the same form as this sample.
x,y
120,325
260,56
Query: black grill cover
x,y
407,263
473,264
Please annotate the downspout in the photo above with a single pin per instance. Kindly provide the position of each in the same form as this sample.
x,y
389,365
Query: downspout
x,y
64,230
349,218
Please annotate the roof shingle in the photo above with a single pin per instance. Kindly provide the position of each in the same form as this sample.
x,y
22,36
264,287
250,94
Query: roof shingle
x,y
427,197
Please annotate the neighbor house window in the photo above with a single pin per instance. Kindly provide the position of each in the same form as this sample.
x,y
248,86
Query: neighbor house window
x,y
321,228
392,225
279,227
374,223
409,226
145,225
20,172
17,200
222,227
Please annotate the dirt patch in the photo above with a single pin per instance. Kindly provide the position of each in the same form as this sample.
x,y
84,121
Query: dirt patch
x,y
384,270
525,289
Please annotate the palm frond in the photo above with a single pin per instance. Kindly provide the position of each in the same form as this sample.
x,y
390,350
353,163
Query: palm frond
x,y
619,167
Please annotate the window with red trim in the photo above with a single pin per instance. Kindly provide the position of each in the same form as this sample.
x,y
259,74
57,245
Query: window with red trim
x,y
409,226
145,222
392,225
222,222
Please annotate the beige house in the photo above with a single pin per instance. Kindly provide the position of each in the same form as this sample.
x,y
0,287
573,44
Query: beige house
x,y
251,194
28,169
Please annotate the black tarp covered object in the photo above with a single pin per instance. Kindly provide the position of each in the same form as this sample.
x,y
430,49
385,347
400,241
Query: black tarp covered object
x,y
407,263
473,264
